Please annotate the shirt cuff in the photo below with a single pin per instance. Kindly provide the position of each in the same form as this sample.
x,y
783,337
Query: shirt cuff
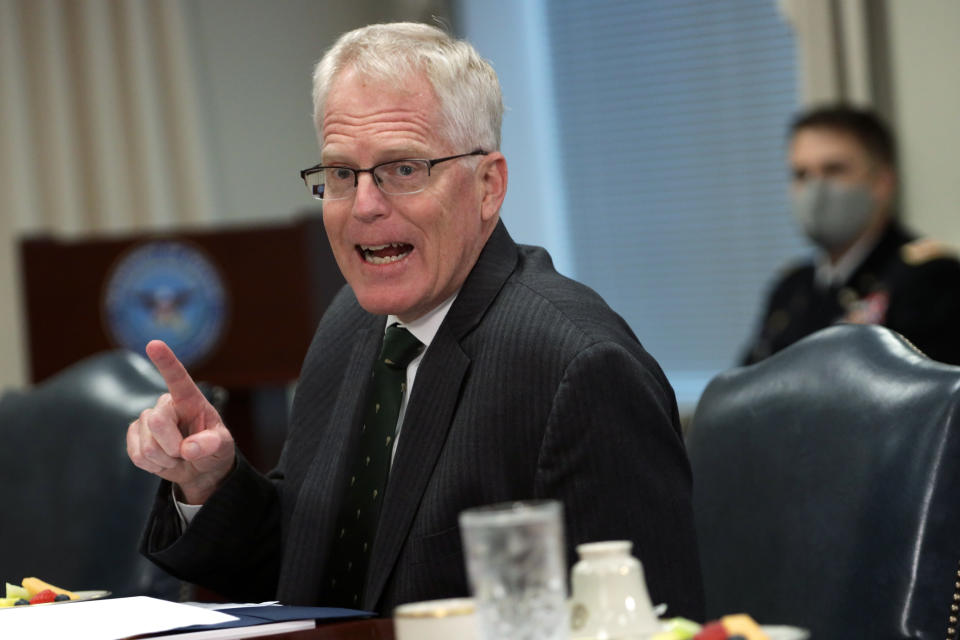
x,y
185,511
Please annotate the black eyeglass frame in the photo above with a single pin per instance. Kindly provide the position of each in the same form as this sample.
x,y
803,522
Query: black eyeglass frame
x,y
317,168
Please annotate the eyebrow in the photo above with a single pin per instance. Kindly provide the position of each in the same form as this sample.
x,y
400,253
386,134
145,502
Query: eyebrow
x,y
833,165
327,159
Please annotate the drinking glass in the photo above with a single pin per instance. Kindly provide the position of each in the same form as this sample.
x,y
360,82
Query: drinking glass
x,y
515,563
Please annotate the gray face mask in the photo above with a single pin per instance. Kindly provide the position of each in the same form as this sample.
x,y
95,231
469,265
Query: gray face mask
x,y
831,214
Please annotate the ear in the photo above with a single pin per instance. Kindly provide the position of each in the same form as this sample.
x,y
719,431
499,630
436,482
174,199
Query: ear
x,y
885,185
492,172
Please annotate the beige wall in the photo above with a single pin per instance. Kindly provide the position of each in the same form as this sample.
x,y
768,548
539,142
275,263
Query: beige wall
x,y
253,62
925,47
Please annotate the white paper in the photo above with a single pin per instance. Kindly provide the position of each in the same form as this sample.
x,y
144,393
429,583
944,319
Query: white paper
x,y
110,619
233,605
235,633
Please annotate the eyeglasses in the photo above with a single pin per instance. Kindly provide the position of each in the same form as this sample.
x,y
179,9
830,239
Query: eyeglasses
x,y
396,178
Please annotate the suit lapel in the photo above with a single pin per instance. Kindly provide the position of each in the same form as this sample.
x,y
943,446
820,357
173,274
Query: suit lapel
x,y
319,498
431,408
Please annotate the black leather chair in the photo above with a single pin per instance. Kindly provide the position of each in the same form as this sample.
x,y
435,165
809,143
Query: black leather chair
x,y
73,504
827,488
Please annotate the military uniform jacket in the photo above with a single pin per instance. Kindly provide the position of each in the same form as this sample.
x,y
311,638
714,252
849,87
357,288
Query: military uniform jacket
x,y
903,284
532,388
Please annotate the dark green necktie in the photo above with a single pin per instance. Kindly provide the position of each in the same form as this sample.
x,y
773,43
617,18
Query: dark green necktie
x,y
357,521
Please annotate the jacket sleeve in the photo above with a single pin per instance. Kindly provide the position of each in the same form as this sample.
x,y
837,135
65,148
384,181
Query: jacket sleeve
x,y
613,453
231,546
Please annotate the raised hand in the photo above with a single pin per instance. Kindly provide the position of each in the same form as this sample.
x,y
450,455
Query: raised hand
x,y
182,438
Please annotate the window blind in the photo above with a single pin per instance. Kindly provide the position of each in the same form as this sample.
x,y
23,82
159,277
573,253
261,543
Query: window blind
x,y
671,119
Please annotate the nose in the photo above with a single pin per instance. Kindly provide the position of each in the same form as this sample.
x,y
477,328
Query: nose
x,y
368,201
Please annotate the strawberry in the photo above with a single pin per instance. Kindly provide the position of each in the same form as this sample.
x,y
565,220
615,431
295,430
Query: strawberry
x,y
712,631
44,596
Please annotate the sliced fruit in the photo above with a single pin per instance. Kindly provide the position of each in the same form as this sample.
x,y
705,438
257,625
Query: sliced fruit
x,y
8,602
682,627
36,585
741,624
47,595
712,631
16,591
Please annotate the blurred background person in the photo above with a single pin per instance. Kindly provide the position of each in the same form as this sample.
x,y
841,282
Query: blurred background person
x,y
868,268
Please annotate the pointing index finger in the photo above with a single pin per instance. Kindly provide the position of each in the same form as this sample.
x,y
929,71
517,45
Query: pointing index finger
x,y
183,390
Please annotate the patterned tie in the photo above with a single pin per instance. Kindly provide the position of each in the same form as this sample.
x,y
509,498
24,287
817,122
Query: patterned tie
x,y
357,521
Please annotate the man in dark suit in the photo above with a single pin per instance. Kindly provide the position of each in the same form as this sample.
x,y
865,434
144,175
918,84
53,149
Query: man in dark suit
x,y
869,269
523,383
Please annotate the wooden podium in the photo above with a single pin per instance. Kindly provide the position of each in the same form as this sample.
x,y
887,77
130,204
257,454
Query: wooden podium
x,y
269,286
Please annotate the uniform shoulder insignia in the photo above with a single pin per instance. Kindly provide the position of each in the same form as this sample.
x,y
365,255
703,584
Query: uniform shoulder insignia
x,y
925,249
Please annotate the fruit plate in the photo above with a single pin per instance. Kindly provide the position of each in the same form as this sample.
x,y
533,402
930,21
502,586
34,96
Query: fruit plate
x,y
86,595
773,631
78,596
783,632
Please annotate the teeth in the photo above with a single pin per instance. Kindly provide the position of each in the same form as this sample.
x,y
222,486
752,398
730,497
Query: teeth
x,y
378,247
368,250
387,260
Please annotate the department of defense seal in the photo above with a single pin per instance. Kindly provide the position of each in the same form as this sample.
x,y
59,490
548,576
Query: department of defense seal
x,y
170,291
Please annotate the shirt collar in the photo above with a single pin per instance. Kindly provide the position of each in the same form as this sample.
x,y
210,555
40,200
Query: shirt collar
x,y
426,326
828,274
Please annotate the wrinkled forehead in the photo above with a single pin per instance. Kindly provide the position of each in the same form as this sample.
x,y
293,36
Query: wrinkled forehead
x,y
380,113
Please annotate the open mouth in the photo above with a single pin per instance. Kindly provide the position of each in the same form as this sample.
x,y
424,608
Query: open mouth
x,y
384,253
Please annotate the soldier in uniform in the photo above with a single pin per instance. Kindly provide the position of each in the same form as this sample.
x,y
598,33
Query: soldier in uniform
x,y
868,268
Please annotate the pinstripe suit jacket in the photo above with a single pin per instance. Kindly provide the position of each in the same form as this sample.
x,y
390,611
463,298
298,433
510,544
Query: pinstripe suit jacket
x,y
532,388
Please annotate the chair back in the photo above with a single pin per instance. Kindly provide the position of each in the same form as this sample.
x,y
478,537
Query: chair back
x,y
74,505
826,489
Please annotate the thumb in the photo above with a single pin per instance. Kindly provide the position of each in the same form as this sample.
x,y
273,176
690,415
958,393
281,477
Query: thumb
x,y
200,445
